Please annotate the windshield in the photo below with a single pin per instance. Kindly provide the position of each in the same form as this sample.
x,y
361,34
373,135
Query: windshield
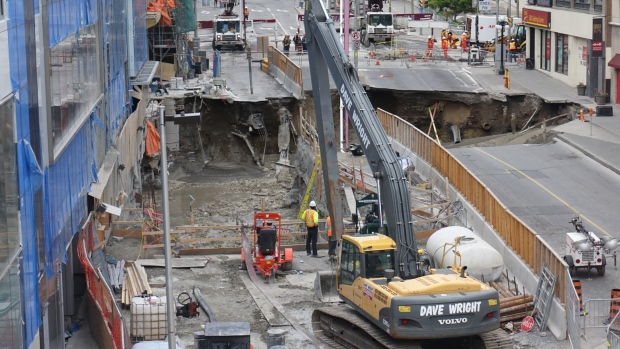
x,y
383,19
377,262
225,26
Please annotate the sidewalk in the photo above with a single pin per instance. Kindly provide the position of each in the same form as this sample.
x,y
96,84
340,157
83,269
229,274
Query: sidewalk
x,y
598,139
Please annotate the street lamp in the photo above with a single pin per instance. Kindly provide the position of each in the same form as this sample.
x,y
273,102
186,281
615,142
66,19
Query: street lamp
x,y
502,22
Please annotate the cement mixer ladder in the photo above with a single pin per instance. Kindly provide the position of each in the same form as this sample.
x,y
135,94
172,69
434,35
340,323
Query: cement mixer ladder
x,y
544,297
304,203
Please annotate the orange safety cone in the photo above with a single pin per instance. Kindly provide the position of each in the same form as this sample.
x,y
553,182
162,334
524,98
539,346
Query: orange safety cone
x,y
371,55
581,115
412,58
377,62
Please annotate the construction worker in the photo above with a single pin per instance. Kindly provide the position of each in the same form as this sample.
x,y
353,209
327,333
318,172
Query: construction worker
x,y
332,243
464,41
430,43
444,47
297,41
444,34
286,43
513,50
453,40
311,217
246,13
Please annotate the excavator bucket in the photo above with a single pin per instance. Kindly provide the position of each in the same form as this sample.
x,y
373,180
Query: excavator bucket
x,y
325,286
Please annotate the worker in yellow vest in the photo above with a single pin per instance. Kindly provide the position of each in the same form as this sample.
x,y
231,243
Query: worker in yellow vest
x,y
311,217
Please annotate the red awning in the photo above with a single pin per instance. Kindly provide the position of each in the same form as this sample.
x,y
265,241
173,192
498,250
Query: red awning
x,y
615,62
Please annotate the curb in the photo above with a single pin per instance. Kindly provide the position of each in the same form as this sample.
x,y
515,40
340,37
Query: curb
x,y
589,154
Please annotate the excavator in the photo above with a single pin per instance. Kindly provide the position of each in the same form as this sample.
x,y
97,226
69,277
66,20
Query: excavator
x,y
392,297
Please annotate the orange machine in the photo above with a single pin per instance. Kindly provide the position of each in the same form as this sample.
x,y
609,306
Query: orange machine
x,y
267,253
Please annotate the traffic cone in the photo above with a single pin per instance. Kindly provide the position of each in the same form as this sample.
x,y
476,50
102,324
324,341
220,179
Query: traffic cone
x,y
412,57
581,115
371,55
377,62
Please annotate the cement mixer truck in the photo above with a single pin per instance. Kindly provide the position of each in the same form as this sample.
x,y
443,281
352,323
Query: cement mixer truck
x,y
377,25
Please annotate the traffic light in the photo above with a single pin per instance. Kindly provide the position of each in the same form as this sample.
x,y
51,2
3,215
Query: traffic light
x,y
423,3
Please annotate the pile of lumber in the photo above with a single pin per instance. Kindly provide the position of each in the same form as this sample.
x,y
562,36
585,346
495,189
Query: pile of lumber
x,y
513,307
116,273
135,283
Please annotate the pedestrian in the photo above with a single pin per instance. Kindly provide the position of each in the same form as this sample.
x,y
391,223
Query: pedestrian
x,y
311,217
286,43
246,13
304,44
214,3
444,47
297,41
513,50
430,43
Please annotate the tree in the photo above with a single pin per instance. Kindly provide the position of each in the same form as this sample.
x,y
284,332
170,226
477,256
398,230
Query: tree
x,y
452,8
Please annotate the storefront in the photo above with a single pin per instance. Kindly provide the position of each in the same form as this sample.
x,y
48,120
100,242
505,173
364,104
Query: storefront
x,y
560,42
615,64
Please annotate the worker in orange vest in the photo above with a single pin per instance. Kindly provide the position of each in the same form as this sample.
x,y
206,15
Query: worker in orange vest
x,y
311,217
464,41
430,43
246,13
444,47
332,242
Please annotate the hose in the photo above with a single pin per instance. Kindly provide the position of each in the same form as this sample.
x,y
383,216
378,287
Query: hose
x,y
204,305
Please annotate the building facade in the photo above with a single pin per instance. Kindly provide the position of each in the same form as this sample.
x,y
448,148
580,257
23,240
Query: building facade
x,y
569,40
66,104
613,27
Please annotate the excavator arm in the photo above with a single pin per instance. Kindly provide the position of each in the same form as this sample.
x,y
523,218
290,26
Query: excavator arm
x,y
326,54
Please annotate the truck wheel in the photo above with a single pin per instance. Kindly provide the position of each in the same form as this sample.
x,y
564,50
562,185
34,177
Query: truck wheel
x,y
288,266
600,270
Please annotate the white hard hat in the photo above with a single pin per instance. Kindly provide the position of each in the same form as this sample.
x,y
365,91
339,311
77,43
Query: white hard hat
x,y
312,203
465,32
430,37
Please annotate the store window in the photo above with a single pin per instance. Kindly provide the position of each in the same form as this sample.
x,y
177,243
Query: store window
x,y
582,4
9,197
562,3
75,81
545,50
2,10
561,54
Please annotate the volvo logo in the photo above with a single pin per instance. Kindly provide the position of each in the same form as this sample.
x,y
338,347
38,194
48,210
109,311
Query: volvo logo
x,y
460,320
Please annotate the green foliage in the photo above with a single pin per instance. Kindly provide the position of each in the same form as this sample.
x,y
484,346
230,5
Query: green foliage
x,y
452,7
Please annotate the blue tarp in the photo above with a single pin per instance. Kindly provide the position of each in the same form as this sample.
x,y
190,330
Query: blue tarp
x,y
66,17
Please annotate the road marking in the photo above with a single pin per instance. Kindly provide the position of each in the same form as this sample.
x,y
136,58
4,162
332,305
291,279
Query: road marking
x,y
205,12
281,10
546,190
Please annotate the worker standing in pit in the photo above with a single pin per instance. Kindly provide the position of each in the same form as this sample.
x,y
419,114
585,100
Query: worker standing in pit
x,y
331,251
513,50
311,217
246,13
444,47
430,43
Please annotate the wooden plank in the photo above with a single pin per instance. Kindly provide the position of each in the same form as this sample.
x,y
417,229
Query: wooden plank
x,y
233,250
424,234
100,245
176,262
127,233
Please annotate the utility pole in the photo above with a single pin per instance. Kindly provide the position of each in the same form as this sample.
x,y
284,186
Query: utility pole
x,y
248,49
163,168
196,39
497,43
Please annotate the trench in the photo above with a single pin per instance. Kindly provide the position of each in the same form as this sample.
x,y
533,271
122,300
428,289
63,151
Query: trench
x,y
225,126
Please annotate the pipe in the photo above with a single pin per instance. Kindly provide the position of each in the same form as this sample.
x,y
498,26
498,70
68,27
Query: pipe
x,y
456,133
171,313
204,305
486,126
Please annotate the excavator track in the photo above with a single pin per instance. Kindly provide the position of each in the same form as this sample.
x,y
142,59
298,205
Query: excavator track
x,y
342,327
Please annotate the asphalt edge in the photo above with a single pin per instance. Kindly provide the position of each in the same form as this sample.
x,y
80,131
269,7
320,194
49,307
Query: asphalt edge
x,y
589,154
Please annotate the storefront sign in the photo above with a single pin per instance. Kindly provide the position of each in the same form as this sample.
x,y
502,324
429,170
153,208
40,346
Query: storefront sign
x,y
597,37
415,16
545,3
536,18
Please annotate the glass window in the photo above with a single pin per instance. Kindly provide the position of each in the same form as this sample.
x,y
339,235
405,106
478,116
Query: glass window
x,y
10,316
562,3
582,4
378,19
349,263
598,5
75,81
545,50
377,262
561,54
2,9
9,200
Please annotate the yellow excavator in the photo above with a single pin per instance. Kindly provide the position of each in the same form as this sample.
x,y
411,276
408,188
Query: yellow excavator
x,y
393,298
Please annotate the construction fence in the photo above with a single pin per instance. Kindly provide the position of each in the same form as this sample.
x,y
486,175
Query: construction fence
x,y
107,325
574,308
515,233
287,71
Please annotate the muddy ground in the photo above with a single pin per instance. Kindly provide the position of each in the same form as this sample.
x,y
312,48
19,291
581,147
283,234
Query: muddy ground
x,y
228,193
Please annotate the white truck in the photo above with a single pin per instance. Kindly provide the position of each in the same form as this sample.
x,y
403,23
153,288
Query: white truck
x,y
486,28
228,29
585,250
379,27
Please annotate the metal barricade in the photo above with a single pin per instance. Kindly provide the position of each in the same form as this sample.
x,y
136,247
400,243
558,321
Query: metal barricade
x,y
613,340
572,313
597,313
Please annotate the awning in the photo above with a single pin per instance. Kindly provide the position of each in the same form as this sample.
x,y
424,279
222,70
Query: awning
x,y
615,62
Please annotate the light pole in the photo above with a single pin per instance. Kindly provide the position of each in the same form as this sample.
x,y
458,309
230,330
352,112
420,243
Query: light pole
x,y
502,22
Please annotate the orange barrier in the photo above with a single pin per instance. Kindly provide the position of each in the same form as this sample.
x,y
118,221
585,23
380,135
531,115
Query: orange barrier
x,y
517,235
577,285
614,306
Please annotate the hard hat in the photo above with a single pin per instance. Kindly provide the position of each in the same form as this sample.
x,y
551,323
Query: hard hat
x,y
430,37
512,40
312,203
465,32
